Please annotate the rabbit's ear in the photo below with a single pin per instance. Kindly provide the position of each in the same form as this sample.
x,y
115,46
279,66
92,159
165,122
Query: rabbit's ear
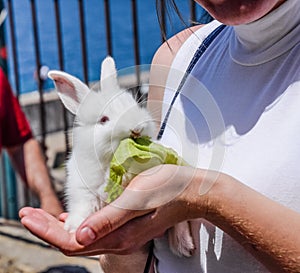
x,y
108,78
70,89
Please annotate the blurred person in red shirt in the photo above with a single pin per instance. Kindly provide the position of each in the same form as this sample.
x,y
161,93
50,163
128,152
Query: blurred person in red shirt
x,y
24,150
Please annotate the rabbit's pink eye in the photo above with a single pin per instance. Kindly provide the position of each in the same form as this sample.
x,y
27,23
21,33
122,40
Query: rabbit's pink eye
x,y
104,119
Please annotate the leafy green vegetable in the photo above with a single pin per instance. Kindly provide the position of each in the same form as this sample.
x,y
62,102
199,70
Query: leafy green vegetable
x,y
134,156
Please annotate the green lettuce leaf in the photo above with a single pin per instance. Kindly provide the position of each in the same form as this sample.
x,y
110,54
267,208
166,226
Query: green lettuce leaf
x,y
132,157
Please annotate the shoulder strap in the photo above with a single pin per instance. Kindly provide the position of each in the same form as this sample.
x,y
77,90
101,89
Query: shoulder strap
x,y
207,41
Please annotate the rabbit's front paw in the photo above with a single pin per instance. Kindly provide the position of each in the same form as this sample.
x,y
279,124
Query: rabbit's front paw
x,y
180,240
73,222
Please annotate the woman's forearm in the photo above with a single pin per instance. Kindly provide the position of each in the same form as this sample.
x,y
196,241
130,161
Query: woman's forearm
x,y
268,230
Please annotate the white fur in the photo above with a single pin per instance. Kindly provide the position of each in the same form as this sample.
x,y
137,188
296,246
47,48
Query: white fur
x,y
94,142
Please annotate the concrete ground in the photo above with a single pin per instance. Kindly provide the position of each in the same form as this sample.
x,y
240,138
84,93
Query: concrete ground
x,y
21,252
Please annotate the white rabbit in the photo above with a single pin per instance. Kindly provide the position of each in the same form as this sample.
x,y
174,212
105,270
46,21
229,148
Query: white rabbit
x,y
102,120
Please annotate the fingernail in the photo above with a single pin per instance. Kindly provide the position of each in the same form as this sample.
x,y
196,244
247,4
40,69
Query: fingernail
x,y
87,236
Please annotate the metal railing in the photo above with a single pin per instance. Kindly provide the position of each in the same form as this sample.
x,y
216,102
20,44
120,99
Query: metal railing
x,y
10,5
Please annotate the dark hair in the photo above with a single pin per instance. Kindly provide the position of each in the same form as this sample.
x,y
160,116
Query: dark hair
x,y
163,11
163,8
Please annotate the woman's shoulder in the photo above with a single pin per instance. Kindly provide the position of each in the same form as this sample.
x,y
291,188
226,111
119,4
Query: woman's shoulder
x,y
160,67
193,36
168,50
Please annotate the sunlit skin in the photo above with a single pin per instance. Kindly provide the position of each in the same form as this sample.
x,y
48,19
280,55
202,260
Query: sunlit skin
x,y
235,12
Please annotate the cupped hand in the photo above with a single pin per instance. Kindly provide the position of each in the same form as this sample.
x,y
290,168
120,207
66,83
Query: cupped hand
x,y
50,229
154,201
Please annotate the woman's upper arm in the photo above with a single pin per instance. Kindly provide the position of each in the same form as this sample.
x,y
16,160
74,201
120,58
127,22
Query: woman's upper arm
x,y
159,71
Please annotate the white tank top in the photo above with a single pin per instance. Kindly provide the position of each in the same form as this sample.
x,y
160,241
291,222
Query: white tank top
x,y
239,113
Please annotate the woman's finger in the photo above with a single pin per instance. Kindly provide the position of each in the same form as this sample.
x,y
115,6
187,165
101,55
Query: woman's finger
x,y
49,229
63,216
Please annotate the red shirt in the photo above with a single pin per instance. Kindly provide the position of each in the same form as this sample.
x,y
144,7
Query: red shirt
x,y
14,127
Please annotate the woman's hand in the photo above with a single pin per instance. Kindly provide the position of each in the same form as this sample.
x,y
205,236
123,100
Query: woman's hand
x,y
51,230
154,201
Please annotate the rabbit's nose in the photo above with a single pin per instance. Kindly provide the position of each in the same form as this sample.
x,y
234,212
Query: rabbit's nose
x,y
136,132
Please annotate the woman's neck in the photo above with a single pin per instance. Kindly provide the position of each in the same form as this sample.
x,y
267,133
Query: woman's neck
x,y
270,36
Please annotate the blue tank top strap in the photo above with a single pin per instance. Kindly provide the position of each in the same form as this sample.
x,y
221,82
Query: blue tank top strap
x,y
201,49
